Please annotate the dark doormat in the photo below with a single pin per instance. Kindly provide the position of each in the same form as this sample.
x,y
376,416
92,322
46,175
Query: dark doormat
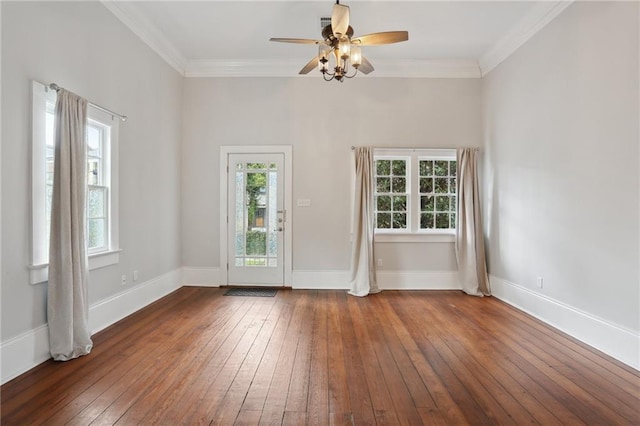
x,y
255,292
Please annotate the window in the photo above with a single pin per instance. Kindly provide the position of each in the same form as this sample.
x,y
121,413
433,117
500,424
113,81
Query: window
x,y
437,186
102,184
415,192
391,194
98,180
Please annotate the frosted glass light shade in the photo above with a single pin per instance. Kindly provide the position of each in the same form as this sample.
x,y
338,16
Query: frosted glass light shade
x,y
345,48
356,56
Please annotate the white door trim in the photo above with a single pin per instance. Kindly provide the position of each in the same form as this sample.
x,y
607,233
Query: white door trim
x,y
287,150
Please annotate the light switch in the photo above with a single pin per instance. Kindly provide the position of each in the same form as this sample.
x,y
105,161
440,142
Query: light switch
x,y
304,202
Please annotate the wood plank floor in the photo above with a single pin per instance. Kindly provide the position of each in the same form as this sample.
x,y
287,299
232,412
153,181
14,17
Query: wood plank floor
x,y
323,357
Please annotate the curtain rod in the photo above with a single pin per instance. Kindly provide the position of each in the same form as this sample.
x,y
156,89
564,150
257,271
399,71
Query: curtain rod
x,y
414,148
54,86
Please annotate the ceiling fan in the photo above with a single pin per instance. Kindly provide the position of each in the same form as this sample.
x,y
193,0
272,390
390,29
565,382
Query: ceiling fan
x,y
339,49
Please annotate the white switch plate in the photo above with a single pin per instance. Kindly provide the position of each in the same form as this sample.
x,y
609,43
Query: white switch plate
x,y
304,202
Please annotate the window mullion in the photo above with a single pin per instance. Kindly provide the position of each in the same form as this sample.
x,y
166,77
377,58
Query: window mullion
x,y
415,193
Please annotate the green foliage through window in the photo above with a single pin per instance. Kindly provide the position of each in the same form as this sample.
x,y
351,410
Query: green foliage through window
x,y
391,193
435,192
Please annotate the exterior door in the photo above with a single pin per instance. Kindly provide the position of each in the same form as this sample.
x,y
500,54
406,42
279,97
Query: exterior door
x,y
256,216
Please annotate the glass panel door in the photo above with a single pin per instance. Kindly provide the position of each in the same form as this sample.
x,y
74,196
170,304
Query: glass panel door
x,y
256,219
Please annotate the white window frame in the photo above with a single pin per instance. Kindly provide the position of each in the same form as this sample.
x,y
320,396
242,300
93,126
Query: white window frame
x,y
413,233
39,267
408,191
105,161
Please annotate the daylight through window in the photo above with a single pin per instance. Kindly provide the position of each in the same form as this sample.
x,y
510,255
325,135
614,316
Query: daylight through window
x,y
415,191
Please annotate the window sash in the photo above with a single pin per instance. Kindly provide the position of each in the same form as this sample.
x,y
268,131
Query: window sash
x,y
434,181
96,216
394,211
414,193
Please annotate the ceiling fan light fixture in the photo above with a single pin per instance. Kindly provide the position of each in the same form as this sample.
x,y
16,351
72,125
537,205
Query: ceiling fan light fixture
x,y
323,57
338,41
356,56
345,48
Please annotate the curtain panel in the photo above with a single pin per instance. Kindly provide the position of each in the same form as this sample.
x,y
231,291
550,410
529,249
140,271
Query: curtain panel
x,y
363,272
472,265
67,302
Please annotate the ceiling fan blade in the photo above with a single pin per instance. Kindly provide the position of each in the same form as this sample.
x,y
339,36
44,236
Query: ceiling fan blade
x,y
382,38
340,19
296,40
311,65
366,66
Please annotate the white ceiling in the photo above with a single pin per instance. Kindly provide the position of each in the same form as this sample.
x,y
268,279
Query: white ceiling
x,y
231,38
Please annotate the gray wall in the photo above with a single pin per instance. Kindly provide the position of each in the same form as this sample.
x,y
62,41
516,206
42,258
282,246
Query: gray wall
x,y
82,46
321,121
560,123
561,130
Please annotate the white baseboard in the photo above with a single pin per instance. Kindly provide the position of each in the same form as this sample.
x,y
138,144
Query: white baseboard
x,y
201,277
387,280
320,279
612,339
23,352
418,280
111,310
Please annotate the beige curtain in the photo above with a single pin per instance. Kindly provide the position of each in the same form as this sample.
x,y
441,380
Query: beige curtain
x,y
67,303
472,264
363,272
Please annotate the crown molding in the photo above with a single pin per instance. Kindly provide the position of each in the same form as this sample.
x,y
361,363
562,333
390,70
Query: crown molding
x,y
289,68
540,15
147,32
427,68
538,18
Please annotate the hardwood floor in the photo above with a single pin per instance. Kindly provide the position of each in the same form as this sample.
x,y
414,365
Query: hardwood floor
x,y
323,357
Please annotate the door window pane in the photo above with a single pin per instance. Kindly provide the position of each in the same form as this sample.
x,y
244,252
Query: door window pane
x,y
273,214
256,215
240,214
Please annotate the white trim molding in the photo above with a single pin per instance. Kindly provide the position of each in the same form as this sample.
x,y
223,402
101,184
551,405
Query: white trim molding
x,y
201,277
320,279
418,280
111,310
287,151
40,273
23,352
387,280
541,14
614,340
147,32
458,68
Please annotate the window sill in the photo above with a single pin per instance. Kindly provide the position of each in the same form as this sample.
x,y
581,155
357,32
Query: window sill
x,y
432,237
40,273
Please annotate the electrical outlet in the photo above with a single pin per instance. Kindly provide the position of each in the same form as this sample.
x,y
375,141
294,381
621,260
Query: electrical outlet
x,y
135,275
379,262
124,280
539,282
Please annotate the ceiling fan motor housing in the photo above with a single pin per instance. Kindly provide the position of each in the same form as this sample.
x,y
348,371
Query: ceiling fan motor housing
x,y
327,34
